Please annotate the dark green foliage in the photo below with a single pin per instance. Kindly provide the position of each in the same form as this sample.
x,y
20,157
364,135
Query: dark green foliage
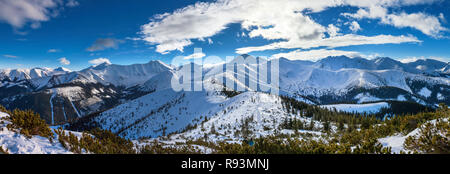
x,y
275,145
433,138
402,108
230,93
326,126
245,127
29,123
156,147
323,115
85,123
363,141
3,109
292,124
96,141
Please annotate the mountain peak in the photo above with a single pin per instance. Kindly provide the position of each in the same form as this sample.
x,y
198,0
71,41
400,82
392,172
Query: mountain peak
x,y
62,69
101,66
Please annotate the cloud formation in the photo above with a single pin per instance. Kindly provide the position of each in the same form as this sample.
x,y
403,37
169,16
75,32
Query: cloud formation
x,y
355,27
414,59
18,13
10,56
100,61
314,55
106,43
287,28
64,61
333,42
195,56
427,24
72,3
53,50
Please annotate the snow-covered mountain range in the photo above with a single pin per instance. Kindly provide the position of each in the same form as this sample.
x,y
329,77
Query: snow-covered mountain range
x,y
142,92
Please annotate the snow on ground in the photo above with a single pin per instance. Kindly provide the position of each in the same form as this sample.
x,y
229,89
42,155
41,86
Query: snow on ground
x,y
396,141
73,92
358,108
16,143
440,96
51,105
75,108
366,97
425,92
401,98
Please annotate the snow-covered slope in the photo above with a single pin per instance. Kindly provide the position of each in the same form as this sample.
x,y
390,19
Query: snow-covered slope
x,y
446,69
166,112
259,113
161,112
16,143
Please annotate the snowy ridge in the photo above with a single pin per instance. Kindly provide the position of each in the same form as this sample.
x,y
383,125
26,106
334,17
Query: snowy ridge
x,y
337,78
124,75
27,74
263,112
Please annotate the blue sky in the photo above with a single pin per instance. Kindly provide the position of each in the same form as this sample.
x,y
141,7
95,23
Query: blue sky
x,y
78,33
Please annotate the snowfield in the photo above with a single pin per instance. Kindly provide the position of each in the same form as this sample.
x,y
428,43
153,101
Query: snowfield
x,y
425,92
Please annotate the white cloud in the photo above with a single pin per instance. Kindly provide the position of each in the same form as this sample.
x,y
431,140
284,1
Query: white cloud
x,y
287,26
355,27
427,24
18,13
314,55
334,42
100,61
198,54
372,56
333,30
442,18
195,56
53,50
414,59
174,31
102,44
10,56
72,3
64,61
